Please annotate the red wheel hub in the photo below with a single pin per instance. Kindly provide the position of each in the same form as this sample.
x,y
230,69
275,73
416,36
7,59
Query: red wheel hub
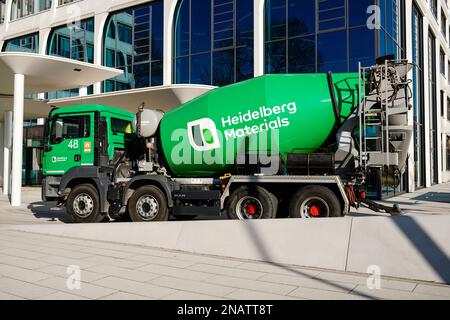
x,y
314,211
251,209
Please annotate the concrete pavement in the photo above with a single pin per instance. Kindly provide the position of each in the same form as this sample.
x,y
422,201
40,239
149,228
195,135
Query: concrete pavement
x,y
34,266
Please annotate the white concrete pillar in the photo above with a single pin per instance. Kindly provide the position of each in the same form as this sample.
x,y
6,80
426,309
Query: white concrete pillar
x,y
17,149
83,92
7,152
259,64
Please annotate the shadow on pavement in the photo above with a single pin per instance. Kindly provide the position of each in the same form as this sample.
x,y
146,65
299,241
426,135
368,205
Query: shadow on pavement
x,y
258,241
426,246
48,210
441,197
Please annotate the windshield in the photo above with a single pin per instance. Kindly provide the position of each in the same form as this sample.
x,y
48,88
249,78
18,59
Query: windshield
x,y
66,128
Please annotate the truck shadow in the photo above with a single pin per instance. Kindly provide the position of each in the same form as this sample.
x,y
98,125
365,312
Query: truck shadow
x,y
49,211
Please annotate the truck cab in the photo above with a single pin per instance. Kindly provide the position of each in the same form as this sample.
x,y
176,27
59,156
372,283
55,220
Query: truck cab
x,y
84,136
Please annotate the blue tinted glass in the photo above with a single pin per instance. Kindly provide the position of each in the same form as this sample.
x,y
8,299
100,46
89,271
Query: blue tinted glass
x,y
275,19
200,26
216,28
182,70
244,63
362,47
244,23
201,69
182,29
157,32
223,64
332,52
142,75
301,17
357,11
157,73
276,57
302,55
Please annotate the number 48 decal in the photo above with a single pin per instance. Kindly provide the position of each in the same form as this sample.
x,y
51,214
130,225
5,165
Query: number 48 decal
x,y
73,144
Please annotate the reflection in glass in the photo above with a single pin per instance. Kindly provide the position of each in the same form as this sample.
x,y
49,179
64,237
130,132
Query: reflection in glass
x,y
213,41
134,43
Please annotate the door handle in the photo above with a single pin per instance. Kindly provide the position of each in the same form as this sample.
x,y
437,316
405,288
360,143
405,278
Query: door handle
x,y
77,158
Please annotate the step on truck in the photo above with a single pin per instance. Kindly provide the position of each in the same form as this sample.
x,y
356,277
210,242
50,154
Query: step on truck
x,y
297,145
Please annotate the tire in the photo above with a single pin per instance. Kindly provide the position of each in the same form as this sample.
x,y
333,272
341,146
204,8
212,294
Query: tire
x,y
263,204
315,202
148,204
83,205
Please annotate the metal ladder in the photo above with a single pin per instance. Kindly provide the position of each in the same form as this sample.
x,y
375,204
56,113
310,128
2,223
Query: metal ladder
x,y
383,134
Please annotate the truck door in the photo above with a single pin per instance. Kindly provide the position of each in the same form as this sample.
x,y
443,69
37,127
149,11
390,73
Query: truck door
x,y
71,143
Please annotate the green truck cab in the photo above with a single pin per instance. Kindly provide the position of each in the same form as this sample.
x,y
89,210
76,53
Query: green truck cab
x,y
73,132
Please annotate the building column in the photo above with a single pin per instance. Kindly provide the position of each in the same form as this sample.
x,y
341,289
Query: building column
x,y
17,149
259,37
7,152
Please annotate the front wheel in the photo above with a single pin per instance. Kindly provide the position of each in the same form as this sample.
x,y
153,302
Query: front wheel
x,y
251,203
315,202
83,205
147,204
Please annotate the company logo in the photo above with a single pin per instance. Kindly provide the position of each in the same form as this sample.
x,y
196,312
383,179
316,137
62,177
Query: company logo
x,y
203,135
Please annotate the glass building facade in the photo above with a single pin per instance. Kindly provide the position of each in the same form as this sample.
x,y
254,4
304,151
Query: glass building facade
x,y
74,42
23,8
28,43
213,41
321,35
133,42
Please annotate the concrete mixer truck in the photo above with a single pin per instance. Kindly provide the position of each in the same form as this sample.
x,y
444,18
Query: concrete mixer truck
x,y
296,145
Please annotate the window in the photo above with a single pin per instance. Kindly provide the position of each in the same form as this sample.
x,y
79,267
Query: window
x,y
443,24
73,42
448,108
433,4
121,126
418,97
134,44
319,35
2,10
62,2
442,61
66,128
448,153
213,41
23,8
29,43
433,107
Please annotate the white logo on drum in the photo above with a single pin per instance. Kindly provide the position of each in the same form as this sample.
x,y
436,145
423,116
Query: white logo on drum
x,y
203,135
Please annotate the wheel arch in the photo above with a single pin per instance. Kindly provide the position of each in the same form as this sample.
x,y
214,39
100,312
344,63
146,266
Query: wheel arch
x,y
140,181
86,175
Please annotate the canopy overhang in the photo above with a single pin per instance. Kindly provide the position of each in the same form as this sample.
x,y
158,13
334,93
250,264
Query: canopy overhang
x,y
161,97
47,73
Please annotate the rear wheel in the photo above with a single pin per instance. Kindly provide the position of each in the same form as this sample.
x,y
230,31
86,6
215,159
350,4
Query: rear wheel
x,y
251,203
315,202
147,204
83,205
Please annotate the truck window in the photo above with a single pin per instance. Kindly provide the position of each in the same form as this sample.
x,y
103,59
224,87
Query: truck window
x,y
74,127
121,126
